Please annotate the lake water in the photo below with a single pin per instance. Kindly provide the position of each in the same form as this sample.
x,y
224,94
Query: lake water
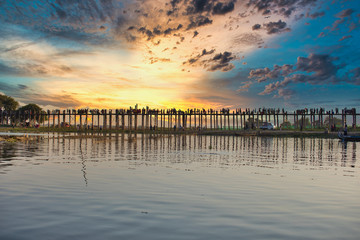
x,y
179,187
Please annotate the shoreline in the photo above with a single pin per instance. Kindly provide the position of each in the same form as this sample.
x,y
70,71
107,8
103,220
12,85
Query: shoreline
x,y
318,133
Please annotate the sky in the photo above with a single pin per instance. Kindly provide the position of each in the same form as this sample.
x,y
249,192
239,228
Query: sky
x,y
216,54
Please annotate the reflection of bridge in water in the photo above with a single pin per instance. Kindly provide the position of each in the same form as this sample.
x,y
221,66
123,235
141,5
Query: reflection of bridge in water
x,y
170,150
141,119
210,150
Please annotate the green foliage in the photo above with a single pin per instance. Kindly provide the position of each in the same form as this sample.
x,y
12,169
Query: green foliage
x,y
30,107
336,121
8,103
286,124
40,115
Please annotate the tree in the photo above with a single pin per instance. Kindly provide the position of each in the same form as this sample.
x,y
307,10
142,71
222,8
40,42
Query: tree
x,y
286,124
35,109
8,103
336,121
30,107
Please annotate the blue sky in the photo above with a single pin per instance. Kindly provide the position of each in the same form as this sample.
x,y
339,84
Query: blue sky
x,y
181,53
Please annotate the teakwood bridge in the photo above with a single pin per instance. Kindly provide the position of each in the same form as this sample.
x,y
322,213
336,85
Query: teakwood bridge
x,y
142,119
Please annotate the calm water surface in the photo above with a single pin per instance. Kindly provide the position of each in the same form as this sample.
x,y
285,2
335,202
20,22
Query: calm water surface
x,y
179,187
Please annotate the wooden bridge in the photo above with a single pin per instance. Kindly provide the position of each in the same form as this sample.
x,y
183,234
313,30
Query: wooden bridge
x,y
142,119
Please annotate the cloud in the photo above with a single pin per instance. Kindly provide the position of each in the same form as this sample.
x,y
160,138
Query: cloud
x,y
276,27
344,37
222,8
344,17
345,13
256,26
264,74
354,76
221,62
198,22
315,15
314,69
285,93
283,7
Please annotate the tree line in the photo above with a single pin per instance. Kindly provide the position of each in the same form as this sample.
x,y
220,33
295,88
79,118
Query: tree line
x,y
8,103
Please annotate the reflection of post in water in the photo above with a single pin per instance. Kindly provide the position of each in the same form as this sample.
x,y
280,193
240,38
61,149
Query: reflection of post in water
x,y
284,150
83,169
343,153
354,154
320,150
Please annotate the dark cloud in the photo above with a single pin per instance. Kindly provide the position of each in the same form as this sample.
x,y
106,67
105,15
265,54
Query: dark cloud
x,y
275,27
221,62
198,22
345,13
314,69
214,7
256,26
282,7
193,60
199,6
264,74
315,15
222,8
285,93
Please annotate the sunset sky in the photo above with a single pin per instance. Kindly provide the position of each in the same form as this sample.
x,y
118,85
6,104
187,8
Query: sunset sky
x,y
181,53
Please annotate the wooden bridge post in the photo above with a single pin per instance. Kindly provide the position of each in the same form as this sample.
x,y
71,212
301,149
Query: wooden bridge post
x,y
105,119
142,119
195,118
130,117
92,120
224,120
123,119
237,121
161,118
227,115
205,116
190,119
64,120
171,120
221,124
53,118
150,120
233,115
117,119
354,117
80,118
110,119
